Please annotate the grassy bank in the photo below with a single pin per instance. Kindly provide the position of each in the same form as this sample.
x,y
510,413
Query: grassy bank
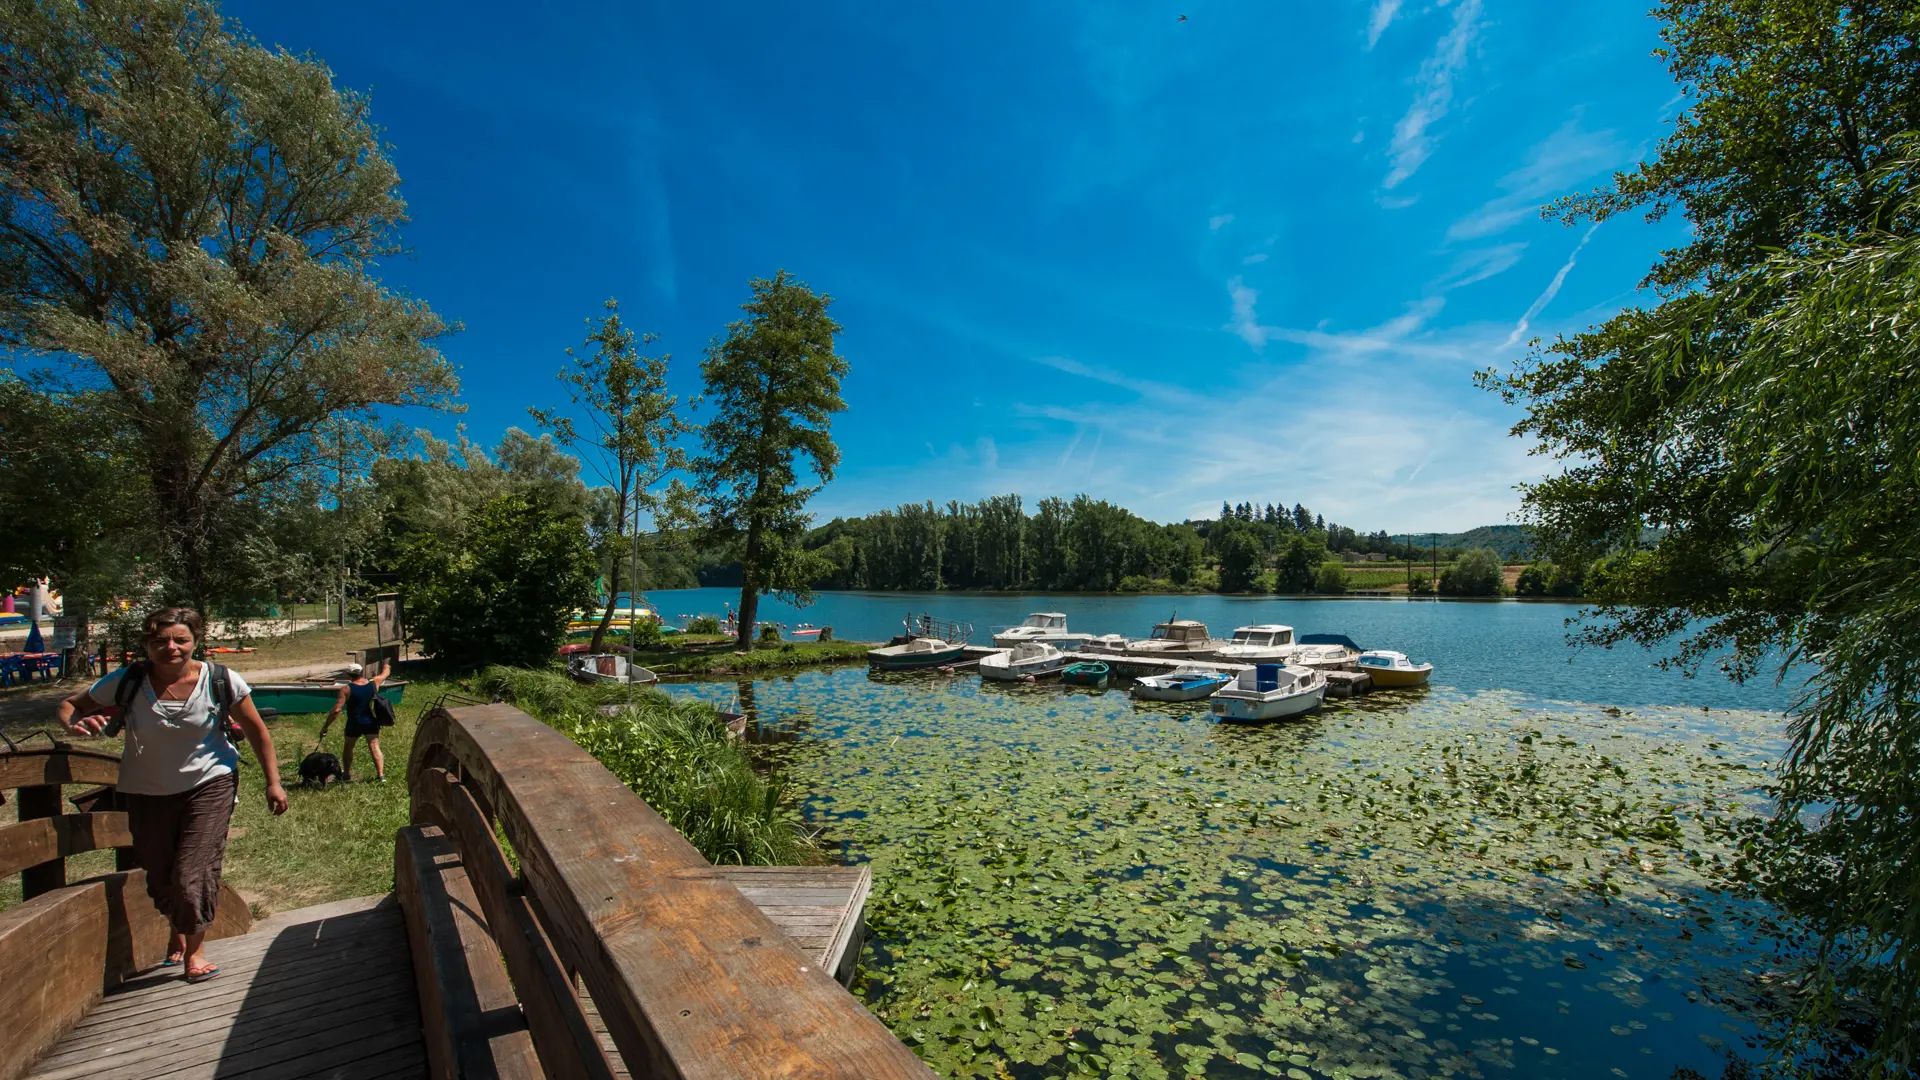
x,y
700,654
337,842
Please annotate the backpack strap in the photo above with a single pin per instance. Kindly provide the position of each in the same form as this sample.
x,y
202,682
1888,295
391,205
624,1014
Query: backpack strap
x,y
220,682
124,692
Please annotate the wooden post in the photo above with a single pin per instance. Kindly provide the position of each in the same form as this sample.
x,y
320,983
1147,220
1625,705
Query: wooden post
x,y
41,801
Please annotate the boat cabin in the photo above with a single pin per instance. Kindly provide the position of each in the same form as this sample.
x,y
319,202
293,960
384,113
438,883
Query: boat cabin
x,y
1046,620
1180,630
1264,634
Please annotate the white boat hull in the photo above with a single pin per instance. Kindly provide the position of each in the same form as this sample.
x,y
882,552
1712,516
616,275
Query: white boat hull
x,y
1010,672
907,657
1233,704
595,668
1153,688
1058,640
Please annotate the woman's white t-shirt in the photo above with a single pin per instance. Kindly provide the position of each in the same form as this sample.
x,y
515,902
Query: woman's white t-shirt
x,y
172,746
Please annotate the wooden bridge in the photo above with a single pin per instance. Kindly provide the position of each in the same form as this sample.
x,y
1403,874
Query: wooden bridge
x,y
594,943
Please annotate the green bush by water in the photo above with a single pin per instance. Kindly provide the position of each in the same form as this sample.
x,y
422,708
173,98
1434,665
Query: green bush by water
x,y
674,754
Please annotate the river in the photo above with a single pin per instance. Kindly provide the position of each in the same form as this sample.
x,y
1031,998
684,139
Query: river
x,y
1517,872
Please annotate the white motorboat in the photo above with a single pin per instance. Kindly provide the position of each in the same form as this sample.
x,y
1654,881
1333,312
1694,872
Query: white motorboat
x,y
1047,626
1327,652
608,667
1270,692
1183,684
1178,639
1106,643
1028,658
921,652
1265,643
1391,670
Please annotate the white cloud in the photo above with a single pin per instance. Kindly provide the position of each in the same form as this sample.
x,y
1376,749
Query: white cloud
x,y
1256,257
1552,290
1552,165
1219,221
1380,19
1411,145
1393,335
1245,322
1481,264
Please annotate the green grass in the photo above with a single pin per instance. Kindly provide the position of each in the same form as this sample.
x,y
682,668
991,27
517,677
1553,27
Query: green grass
x,y
690,654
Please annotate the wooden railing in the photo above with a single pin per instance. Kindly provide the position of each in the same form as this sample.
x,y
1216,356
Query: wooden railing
x,y
64,945
689,978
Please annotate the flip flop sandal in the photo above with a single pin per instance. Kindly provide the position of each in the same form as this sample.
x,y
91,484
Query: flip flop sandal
x,y
171,961
202,975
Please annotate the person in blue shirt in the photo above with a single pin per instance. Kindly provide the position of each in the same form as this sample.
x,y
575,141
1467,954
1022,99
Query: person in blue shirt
x,y
357,699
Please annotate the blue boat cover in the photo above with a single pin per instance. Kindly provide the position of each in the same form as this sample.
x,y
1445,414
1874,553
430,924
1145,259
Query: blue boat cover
x,y
1329,639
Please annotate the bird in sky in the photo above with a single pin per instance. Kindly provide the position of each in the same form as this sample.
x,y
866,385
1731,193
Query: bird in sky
x,y
1183,18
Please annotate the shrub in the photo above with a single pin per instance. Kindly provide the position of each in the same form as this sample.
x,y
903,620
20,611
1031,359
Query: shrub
x,y
676,755
703,624
1533,580
1135,583
504,592
769,634
1332,578
1420,586
1475,573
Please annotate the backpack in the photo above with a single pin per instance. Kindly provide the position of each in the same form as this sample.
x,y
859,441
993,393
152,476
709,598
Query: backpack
x,y
220,684
381,709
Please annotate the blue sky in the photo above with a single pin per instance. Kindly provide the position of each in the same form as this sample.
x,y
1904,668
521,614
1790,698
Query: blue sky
x,y
1252,255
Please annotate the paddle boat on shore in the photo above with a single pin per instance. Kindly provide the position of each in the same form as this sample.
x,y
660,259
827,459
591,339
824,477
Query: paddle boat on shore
x,y
1092,674
1391,670
1270,692
1183,684
1029,659
608,668
1046,626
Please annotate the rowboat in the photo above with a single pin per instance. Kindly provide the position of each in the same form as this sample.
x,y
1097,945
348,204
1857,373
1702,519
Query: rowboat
x,y
1389,669
1087,673
921,652
1270,692
313,697
1030,658
608,668
1183,685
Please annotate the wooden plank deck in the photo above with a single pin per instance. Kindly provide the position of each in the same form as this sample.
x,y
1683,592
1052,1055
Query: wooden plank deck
x,y
321,992
819,908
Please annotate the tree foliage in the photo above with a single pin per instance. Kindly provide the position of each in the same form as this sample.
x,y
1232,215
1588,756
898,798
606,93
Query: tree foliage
x,y
1744,459
502,593
188,226
1474,573
774,382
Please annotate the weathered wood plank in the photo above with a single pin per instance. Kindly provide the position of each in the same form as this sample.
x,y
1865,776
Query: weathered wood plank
x,y
41,801
27,768
52,948
692,980
471,1021
32,841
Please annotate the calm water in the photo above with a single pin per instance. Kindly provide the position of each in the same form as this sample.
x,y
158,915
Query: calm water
x,y
1518,872
1507,646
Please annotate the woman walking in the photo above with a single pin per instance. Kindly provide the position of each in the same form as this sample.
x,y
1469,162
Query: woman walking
x,y
357,698
179,771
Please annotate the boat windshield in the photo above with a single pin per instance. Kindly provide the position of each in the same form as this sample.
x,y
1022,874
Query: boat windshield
x,y
1161,633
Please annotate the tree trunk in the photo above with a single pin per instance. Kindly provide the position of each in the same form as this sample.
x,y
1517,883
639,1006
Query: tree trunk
x,y
749,588
606,616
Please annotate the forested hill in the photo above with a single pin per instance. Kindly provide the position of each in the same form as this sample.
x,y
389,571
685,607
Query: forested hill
x,y
1511,541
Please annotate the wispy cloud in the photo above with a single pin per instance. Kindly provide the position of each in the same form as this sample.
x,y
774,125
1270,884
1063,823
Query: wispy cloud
x,y
1256,257
1566,157
1380,19
1395,335
1481,264
1245,322
1552,290
1143,387
1411,143
1219,221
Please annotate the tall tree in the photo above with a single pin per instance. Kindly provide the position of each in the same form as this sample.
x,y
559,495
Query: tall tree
x,y
635,429
189,223
1743,453
774,382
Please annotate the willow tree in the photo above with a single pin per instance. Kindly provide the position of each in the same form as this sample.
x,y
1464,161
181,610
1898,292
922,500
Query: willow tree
x,y
189,225
1741,460
774,383
633,427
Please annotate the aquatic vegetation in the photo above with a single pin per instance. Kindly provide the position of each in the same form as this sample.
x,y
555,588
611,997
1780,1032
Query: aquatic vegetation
x,y
676,755
1405,886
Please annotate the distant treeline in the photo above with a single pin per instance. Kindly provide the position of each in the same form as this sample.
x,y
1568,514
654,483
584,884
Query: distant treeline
x,y
1080,544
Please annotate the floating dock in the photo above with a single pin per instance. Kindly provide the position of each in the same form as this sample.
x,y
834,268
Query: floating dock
x,y
1340,684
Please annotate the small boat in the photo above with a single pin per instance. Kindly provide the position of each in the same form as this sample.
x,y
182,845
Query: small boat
x,y
1047,626
1181,639
1389,669
921,652
608,667
1328,652
1106,643
1087,673
1266,643
1186,684
805,630
1029,658
1270,692
313,697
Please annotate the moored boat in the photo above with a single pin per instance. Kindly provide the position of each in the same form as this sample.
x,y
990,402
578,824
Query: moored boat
x,y
1187,684
608,667
1029,658
1390,670
1264,643
313,697
806,631
1047,626
920,652
1270,692
1106,643
1327,652
1090,673
1180,639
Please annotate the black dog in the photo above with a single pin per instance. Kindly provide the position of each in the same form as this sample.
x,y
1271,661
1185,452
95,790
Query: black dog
x,y
319,768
